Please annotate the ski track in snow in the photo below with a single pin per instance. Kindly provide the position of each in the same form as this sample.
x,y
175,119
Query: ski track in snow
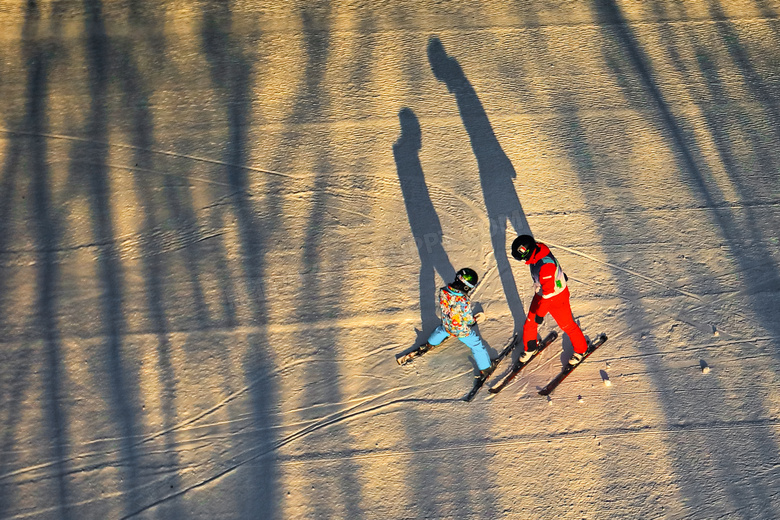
x,y
152,151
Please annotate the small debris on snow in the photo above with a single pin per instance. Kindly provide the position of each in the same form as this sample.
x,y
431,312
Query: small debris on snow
x,y
549,400
705,368
605,378
580,399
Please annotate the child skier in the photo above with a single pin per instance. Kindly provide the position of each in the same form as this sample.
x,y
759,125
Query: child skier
x,y
552,296
457,319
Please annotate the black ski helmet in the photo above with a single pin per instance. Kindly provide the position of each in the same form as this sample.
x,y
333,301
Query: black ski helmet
x,y
465,279
523,247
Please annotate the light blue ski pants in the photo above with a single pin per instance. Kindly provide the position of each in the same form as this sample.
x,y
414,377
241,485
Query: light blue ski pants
x,y
472,341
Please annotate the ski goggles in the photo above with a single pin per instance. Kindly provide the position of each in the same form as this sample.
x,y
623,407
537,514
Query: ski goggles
x,y
523,253
466,282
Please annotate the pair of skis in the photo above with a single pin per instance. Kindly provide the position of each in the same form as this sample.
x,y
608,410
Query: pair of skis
x,y
563,374
479,381
517,367
520,365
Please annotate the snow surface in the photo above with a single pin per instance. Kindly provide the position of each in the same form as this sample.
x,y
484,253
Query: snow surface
x,y
209,220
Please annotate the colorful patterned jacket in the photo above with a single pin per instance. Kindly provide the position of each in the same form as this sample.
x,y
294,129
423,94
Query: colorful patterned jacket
x,y
456,315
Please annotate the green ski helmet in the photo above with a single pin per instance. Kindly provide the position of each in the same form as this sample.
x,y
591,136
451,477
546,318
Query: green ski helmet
x,y
465,279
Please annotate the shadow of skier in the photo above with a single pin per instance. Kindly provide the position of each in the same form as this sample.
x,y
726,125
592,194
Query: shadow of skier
x,y
423,220
496,172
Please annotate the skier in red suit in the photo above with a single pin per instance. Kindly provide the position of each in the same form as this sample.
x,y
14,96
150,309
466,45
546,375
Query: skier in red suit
x,y
552,297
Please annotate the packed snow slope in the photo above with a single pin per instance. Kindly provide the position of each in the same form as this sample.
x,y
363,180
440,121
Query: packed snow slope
x,y
221,221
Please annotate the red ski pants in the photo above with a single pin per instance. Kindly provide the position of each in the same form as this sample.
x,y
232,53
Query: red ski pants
x,y
559,308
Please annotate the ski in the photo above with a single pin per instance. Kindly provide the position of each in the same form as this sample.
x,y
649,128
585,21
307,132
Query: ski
x,y
403,359
568,369
479,380
519,365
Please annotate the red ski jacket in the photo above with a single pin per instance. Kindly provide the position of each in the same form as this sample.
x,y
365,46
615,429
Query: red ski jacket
x,y
549,278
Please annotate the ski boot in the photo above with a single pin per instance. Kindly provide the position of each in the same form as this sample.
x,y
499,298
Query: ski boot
x,y
530,350
575,358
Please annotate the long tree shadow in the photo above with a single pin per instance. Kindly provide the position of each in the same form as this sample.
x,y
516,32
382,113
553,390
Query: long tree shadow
x,y
232,73
630,63
130,52
751,182
47,233
16,365
754,82
16,383
122,387
747,164
320,293
496,173
423,220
